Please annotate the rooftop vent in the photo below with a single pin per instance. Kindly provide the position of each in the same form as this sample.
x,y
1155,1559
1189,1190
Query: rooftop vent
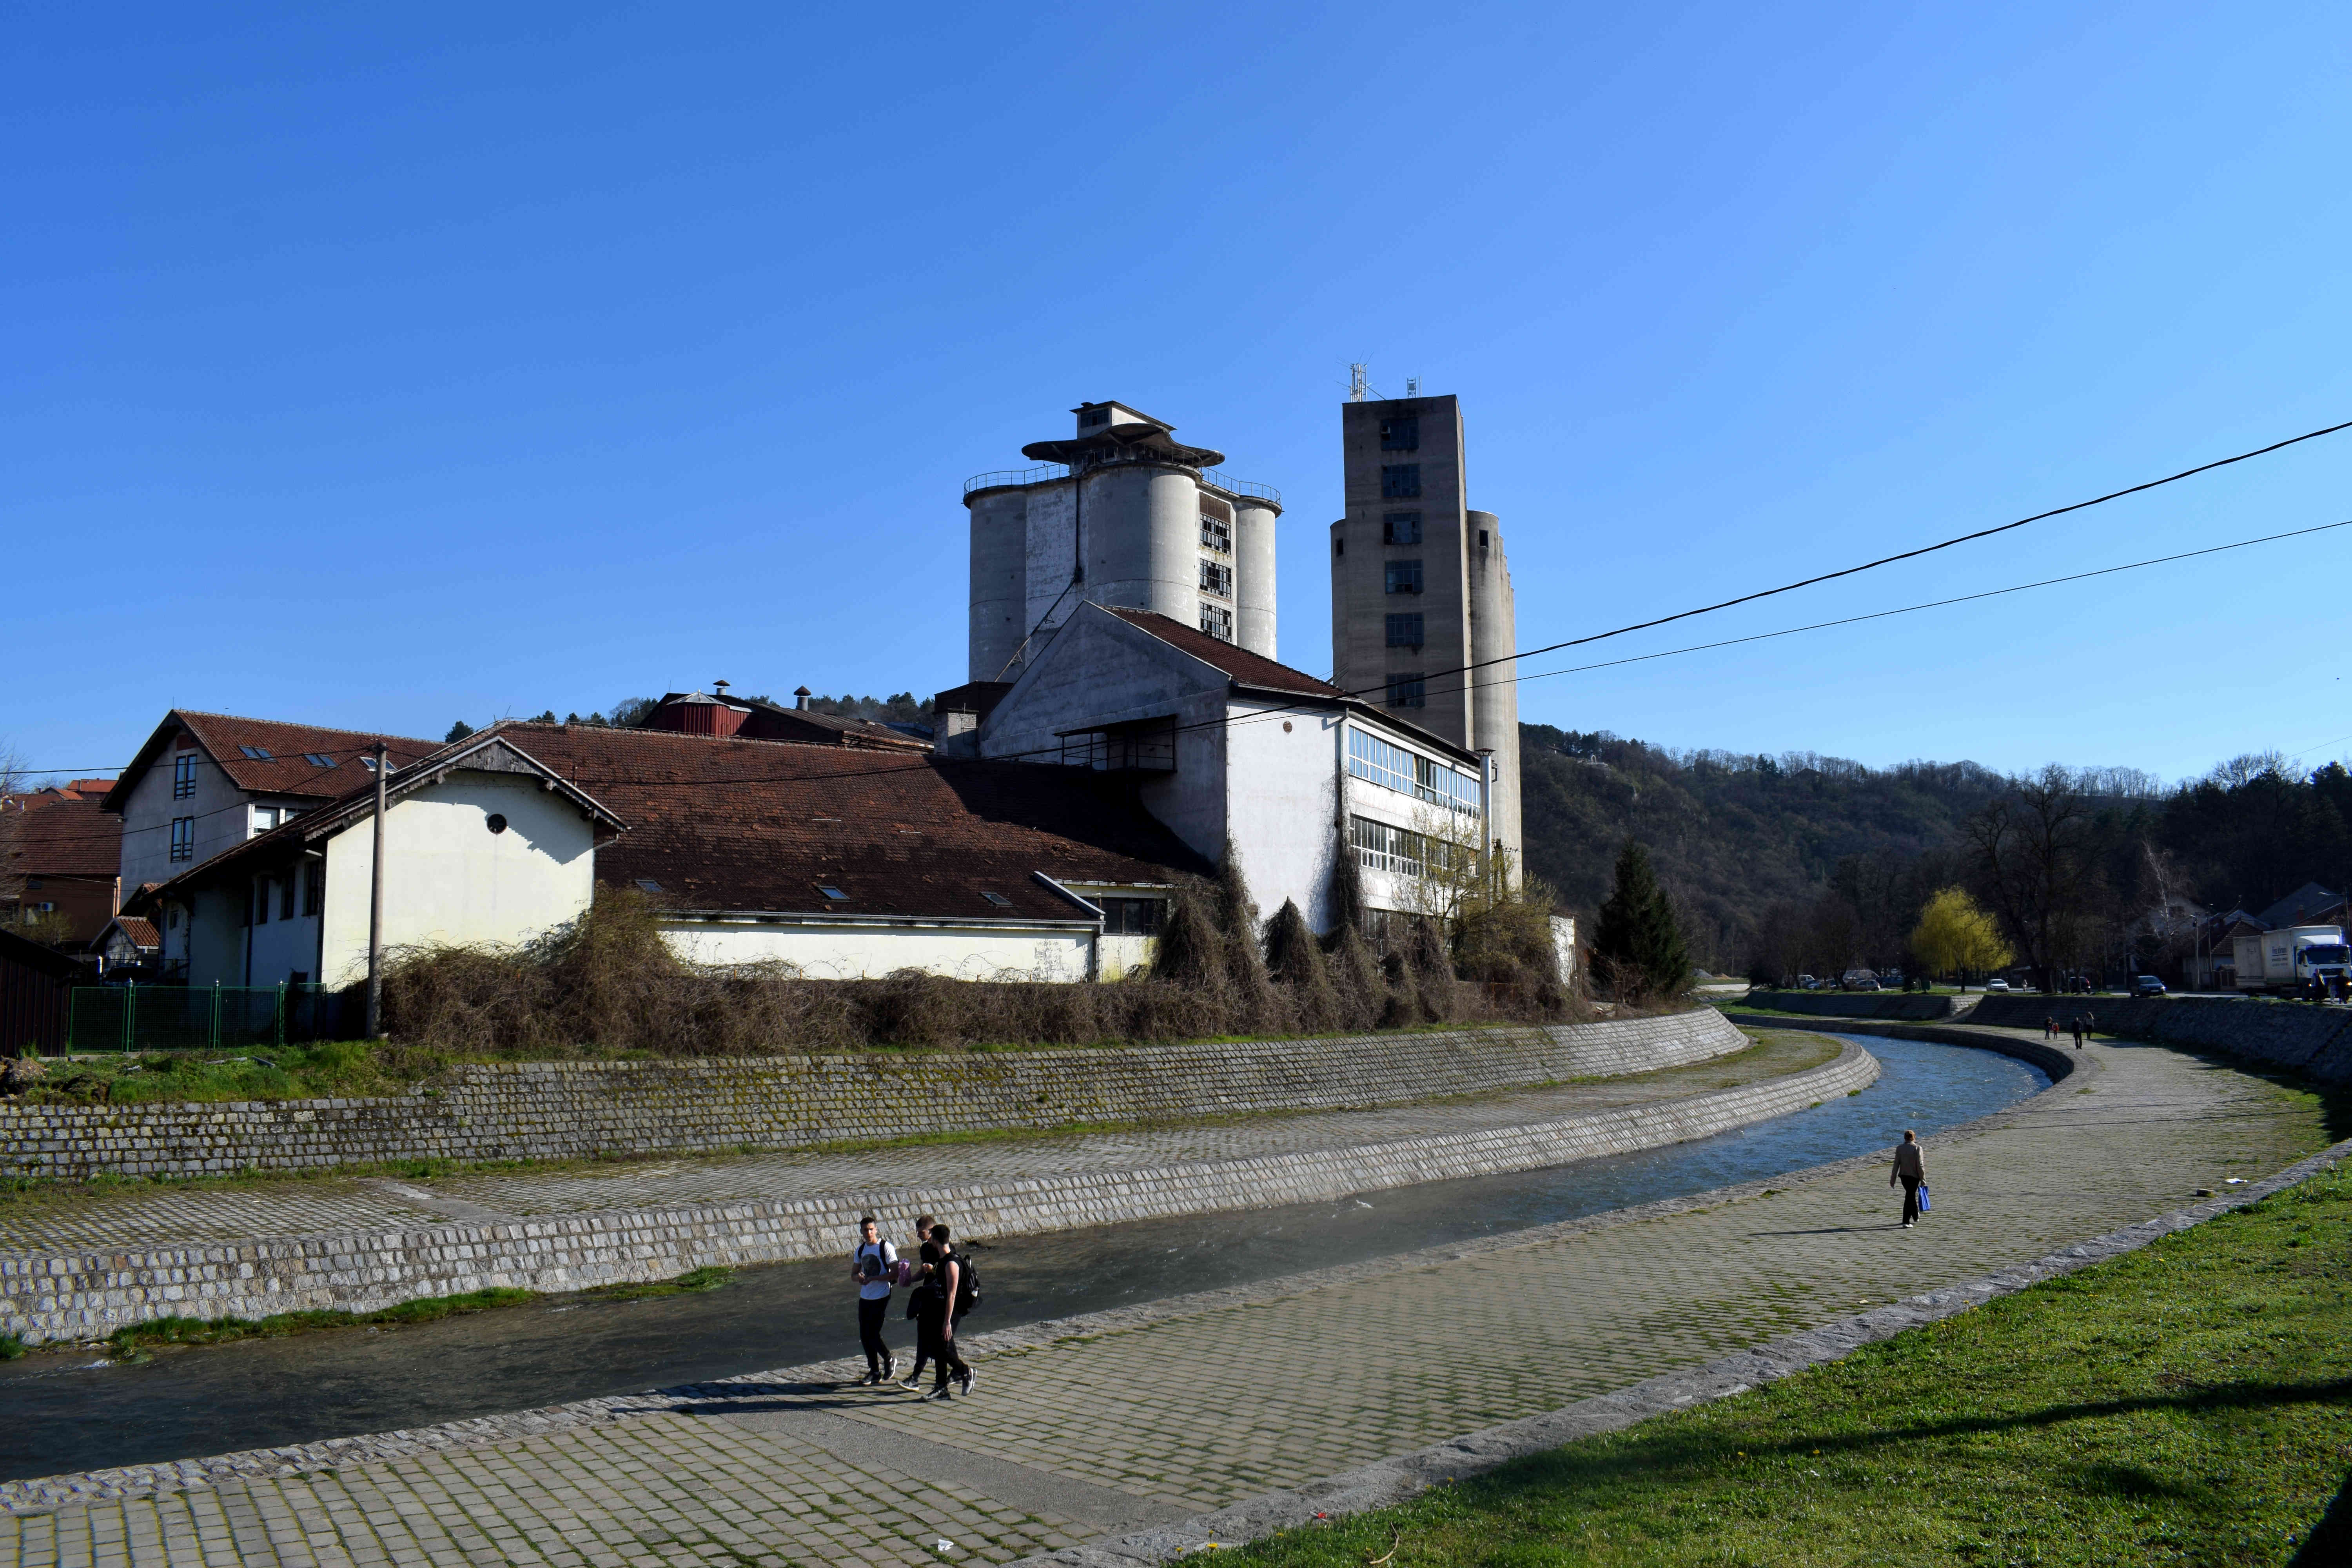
x,y
800,695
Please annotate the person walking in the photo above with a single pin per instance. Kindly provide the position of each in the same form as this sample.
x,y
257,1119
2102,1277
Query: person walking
x,y
875,1266
1911,1169
2078,1031
935,1319
2050,1026
910,1271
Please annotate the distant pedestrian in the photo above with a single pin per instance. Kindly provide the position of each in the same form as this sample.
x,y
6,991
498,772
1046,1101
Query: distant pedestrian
x,y
935,1319
875,1266
910,1270
1911,1169
2078,1031
2049,1027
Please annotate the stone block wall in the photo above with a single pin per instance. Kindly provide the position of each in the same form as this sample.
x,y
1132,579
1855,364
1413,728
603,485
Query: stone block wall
x,y
2305,1035
1855,1004
86,1294
570,1110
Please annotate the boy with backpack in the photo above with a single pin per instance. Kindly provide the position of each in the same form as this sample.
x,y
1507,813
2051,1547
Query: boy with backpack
x,y
950,1289
875,1266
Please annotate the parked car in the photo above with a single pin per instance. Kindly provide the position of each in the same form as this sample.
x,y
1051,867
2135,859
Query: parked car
x,y
2146,985
1858,980
1807,982
1995,983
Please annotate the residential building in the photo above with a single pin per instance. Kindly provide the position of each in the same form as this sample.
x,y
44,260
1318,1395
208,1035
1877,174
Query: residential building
x,y
64,854
1422,621
483,844
1231,749
1120,514
206,783
129,943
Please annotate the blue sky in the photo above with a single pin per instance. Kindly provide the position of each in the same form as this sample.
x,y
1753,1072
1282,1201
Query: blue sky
x,y
379,367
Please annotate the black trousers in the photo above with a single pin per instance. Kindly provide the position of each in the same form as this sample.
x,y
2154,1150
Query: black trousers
x,y
871,1316
1910,1198
932,1340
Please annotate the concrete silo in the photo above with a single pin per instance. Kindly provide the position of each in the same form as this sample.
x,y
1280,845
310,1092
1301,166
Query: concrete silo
x,y
1122,514
1494,689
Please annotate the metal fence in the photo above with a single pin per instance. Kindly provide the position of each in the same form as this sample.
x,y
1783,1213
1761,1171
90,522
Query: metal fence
x,y
204,1017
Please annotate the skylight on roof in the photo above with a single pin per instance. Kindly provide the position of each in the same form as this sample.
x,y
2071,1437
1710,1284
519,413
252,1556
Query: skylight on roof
x,y
649,885
999,899
256,752
835,893
319,759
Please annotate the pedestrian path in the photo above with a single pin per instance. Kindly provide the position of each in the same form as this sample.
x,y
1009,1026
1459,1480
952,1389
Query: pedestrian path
x,y
63,1219
1194,1404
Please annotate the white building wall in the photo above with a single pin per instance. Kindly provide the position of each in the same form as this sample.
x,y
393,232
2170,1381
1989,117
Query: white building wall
x,y
1282,801
448,879
283,948
850,951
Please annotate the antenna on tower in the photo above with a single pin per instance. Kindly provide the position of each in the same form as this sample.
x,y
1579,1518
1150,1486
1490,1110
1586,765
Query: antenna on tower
x,y
1413,386
1360,383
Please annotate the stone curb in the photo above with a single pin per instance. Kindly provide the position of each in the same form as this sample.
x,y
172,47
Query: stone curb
x,y
86,1294
1387,1483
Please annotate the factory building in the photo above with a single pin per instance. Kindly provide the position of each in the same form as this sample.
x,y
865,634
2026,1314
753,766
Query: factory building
x,y
1421,591
1123,515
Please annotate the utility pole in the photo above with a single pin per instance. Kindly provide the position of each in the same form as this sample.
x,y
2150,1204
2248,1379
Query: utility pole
x,y
376,907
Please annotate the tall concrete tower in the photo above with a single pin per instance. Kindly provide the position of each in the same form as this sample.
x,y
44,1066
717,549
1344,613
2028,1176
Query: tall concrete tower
x,y
1120,514
1419,588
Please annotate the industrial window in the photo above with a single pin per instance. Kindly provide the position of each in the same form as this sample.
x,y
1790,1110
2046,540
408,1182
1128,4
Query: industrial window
x,y
1400,435
1216,534
1404,576
285,898
1217,578
1130,917
1093,417
183,838
1404,631
1217,621
184,775
1401,481
314,887
256,752
1382,763
1406,691
1401,528
1380,847
1482,539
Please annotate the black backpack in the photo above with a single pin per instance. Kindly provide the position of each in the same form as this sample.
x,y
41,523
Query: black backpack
x,y
967,1285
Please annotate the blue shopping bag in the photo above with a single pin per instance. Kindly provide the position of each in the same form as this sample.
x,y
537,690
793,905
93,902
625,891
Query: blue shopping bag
x,y
1924,1204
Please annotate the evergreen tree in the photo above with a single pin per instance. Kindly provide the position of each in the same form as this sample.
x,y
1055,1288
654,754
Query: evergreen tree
x,y
1637,941
457,732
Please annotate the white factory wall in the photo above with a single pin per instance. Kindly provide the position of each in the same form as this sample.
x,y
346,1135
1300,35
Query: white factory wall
x,y
832,950
449,879
1281,804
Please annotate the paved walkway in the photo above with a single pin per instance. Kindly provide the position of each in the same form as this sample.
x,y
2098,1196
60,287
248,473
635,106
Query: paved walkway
x,y
64,1219
1199,1404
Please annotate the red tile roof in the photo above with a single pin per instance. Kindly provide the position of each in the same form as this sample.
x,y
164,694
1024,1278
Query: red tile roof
x,y
286,770
1250,669
142,933
69,837
731,823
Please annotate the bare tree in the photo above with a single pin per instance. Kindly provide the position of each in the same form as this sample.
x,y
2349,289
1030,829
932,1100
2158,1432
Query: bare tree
x,y
2034,851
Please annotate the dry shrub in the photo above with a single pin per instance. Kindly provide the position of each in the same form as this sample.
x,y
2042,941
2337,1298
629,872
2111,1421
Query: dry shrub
x,y
609,984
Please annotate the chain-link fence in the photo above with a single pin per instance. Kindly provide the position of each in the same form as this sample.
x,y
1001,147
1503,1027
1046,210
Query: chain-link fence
x,y
206,1017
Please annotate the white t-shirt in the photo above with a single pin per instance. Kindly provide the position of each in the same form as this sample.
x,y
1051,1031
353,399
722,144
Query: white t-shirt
x,y
875,1289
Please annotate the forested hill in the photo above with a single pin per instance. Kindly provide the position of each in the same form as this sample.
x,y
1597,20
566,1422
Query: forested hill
x,y
1729,835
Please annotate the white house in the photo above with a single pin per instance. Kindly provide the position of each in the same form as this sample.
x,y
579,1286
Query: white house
x,y
482,843
1225,745
206,783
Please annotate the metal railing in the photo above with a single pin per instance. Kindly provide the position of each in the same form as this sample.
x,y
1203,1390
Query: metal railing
x,y
203,1018
1005,478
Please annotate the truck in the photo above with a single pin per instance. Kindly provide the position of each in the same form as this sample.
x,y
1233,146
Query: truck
x,y
2294,961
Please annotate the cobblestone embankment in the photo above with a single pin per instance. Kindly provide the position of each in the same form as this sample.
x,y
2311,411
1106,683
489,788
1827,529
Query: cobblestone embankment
x,y
86,1294
2305,1035
1855,1004
571,1109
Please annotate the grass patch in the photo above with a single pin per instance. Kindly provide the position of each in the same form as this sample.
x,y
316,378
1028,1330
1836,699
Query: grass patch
x,y
2190,1403
692,1282
128,1342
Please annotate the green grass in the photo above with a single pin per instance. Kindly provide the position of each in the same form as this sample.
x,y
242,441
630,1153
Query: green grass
x,y
133,1343
2190,1403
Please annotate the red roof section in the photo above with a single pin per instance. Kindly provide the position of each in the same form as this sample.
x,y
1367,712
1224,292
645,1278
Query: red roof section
x,y
69,836
286,770
731,823
142,933
1252,669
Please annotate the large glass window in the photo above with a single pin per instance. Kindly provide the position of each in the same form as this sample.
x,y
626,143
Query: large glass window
x,y
1404,631
1401,528
1402,434
1217,621
1131,917
184,775
1402,852
1383,763
1401,481
1217,578
1403,577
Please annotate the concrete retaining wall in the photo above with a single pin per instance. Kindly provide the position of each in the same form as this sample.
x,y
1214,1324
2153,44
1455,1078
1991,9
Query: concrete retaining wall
x,y
570,1110
87,1295
2301,1035
1855,1004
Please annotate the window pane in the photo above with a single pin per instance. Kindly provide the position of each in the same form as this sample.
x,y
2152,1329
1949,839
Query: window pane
x,y
1401,528
1401,481
1400,435
1404,631
1403,577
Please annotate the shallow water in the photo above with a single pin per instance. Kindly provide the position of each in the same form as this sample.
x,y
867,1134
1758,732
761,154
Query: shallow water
x,y
69,1411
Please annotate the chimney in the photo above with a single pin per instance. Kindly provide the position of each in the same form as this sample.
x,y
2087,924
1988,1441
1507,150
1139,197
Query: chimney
x,y
719,689
799,696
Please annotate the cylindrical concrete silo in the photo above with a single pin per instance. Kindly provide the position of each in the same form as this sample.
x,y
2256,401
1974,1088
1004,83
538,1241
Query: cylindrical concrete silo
x,y
1254,522
999,578
1494,696
1116,502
